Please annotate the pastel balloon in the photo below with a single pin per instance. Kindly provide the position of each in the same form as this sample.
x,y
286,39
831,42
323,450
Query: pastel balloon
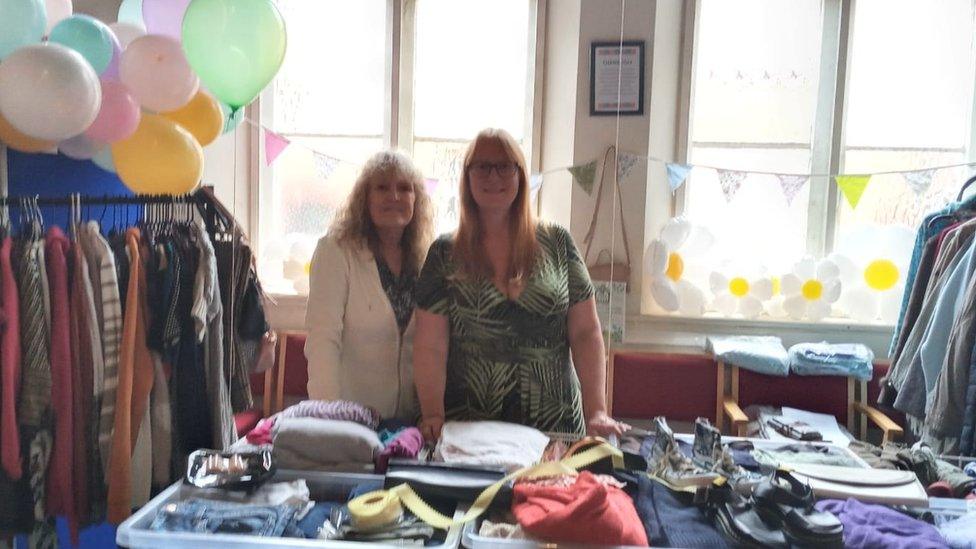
x,y
112,72
22,22
104,160
119,115
159,158
201,117
164,16
127,32
156,71
130,11
80,147
232,118
234,64
49,92
18,141
87,36
56,11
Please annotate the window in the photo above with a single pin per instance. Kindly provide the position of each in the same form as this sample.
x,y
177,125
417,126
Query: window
x,y
763,100
332,97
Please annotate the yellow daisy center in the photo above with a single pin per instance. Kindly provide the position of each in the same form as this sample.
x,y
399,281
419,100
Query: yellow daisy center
x,y
307,268
777,285
739,287
812,290
881,275
676,267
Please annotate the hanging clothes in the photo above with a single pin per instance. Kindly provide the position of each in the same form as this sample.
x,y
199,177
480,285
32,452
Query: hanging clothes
x,y
9,365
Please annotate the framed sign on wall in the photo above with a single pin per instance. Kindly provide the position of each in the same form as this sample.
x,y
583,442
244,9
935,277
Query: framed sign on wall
x,y
617,78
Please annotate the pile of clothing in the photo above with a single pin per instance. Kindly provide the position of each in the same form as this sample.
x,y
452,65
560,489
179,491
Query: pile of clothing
x,y
338,436
941,478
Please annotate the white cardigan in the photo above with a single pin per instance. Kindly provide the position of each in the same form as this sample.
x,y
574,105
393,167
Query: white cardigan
x,y
354,348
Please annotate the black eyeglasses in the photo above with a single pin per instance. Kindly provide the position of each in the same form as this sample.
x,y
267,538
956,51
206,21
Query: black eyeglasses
x,y
482,170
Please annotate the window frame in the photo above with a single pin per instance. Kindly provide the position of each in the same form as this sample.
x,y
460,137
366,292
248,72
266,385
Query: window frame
x,y
827,147
398,108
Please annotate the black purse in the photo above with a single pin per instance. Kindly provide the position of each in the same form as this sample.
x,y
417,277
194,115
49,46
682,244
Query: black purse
x,y
461,483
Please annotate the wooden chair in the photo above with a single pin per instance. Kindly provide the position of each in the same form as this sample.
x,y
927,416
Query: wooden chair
x,y
291,371
846,398
645,385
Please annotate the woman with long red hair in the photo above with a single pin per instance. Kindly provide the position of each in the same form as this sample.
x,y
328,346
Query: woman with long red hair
x,y
501,304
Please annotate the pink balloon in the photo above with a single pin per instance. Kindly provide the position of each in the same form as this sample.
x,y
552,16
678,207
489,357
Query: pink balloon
x,y
164,16
157,73
119,115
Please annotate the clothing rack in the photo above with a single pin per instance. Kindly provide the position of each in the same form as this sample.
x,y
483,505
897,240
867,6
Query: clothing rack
x,y
205,200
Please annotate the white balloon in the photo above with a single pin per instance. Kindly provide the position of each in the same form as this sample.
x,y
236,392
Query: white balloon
x,y
293,269
656,257
127,32
750,306
691,301
795,306
718,283
700,241
818,310
763,289
56,11
80,147
861,304
675,232
891,304
726,304
664,293
49,91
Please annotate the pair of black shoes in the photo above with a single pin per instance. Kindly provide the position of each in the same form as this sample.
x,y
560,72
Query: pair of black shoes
x,y
779,513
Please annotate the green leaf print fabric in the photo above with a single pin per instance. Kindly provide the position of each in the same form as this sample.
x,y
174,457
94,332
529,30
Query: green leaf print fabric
x,y
510,360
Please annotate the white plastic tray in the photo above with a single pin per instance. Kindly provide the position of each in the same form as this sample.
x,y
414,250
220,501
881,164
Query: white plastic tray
x,y
135,533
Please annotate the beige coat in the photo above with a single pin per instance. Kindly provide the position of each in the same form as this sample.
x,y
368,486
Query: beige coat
x,y
354,348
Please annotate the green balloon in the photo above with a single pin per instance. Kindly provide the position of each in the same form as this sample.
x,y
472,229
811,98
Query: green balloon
x,y
235,46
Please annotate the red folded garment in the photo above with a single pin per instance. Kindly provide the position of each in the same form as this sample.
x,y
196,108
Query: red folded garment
x,y
584,512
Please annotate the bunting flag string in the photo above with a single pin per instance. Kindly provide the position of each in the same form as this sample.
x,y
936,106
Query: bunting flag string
x,y
625,163
325,165
792,185
677,173
919,181
731,182
853,187
584,175
274,145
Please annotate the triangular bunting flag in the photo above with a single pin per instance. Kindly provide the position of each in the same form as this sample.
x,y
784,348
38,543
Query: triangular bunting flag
x,y
584,175
535,181
431,185
325,164
625,163
677,173
731,182
919,181
274,145
853,187
791,185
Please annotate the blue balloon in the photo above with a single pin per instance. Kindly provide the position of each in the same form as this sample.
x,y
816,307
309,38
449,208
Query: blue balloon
x,y
104,160
87,36
130,11
22,22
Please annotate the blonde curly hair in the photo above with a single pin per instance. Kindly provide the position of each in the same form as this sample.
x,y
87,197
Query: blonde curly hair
x,y
353,226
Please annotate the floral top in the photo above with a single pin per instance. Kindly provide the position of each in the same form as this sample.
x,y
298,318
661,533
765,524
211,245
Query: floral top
x,y
510,359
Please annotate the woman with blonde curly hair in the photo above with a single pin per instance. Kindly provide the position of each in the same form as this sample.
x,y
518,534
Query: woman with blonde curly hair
x,y
360,301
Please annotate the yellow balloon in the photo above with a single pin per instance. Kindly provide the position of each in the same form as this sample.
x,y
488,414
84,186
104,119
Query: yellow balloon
x,y
13,138
201,117
159,158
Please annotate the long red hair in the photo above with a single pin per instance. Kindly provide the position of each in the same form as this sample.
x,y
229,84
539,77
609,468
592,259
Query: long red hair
x,y
469,253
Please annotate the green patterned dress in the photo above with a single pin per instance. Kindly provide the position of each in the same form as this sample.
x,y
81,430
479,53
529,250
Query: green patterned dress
x,y
510,360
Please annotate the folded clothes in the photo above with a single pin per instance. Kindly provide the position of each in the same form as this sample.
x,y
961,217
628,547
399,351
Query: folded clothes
x,y
762,354
213,517
407,444
340,410
492,443
868,526
310,443
586,511
826,359
961,532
